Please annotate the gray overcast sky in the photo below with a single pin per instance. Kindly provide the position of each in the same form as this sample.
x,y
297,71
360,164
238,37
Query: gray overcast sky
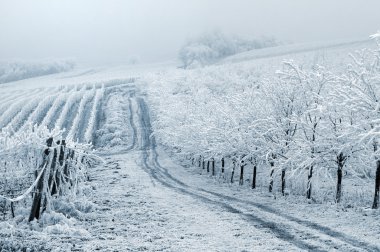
x,y
112,31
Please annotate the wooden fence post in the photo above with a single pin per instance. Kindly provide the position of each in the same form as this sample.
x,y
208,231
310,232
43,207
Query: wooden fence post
x,y
254,176
213,166
36,205
222,165
241,179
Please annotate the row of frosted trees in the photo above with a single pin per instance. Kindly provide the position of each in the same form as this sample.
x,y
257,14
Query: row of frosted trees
x,y
304,122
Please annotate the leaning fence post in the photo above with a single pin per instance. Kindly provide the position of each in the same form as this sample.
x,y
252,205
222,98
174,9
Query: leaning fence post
x,y
71,154
61,159
53,170
36,205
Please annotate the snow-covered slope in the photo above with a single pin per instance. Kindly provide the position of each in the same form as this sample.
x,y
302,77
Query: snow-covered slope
x,y
148,194
290,50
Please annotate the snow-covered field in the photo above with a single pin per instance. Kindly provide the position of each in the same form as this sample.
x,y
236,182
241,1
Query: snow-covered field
x,y
145,193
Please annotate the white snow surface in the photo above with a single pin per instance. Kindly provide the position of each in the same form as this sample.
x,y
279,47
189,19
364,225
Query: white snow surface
x,y
142,198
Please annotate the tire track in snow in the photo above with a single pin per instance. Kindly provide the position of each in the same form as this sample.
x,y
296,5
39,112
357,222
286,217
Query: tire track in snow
x,y
274,212
156,174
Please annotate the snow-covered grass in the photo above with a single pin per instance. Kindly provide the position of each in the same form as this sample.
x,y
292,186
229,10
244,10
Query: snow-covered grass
x,y
18,234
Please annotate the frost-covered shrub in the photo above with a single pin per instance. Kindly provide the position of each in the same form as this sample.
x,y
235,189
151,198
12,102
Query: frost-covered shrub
x,y
70,208
18,70
26,160
211,47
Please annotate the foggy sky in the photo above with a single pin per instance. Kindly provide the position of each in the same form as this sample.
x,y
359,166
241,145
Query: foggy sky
x,y
113,31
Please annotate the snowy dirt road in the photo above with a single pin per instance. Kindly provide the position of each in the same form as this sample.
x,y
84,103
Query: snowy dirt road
x,y
143,199
146,202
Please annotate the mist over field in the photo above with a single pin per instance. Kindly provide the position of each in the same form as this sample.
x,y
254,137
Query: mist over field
x,y
112,32
190,125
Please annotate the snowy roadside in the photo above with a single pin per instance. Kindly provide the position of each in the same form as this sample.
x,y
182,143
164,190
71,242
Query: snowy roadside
x,y
132,211
141,200
137,213
356,225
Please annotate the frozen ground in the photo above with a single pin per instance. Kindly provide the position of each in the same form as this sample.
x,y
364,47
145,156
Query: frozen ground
x,y
142,199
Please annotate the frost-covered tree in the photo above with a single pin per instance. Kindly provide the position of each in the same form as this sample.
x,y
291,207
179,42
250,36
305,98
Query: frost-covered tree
x,y
210,47
282,122
315,84
362,98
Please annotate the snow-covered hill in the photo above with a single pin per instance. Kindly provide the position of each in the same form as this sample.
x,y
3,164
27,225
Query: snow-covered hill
x,y
291,50
161,134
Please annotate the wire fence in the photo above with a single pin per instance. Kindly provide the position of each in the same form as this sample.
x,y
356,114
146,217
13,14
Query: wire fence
x,y
31,176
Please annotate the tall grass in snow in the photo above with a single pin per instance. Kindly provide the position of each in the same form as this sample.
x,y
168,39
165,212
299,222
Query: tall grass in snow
x,y
54,109
13,111
73,133
88,136
40,111
74,97
31,109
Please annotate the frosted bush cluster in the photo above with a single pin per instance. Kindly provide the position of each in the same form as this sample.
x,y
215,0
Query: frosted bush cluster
x,y
18,70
